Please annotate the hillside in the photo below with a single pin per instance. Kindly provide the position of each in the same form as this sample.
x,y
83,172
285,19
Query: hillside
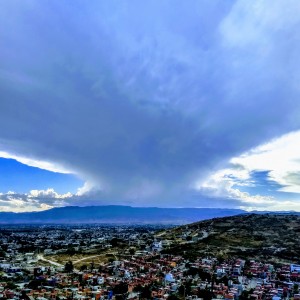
x,y
264,236
116,214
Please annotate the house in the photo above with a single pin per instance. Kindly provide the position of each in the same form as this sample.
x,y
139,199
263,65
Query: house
x,y
157,246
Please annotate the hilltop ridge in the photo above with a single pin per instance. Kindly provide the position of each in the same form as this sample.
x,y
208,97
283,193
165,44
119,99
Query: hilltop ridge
x,y
263,236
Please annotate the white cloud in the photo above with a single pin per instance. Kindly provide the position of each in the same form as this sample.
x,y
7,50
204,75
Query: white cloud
x,y
221,184
45,165
88,188
248,21
280,158
38,200
49,193
15,204
274,206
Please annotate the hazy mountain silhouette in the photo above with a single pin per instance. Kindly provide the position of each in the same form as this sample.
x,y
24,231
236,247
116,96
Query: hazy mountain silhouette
x,y
117,214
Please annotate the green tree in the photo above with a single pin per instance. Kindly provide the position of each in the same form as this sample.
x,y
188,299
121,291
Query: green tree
x,y
36,283
11,285
92,265
131,251
181,290
146,292
71,251
83,267
69,267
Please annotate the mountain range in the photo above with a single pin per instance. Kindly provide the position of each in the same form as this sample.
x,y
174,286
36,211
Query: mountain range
x,y
116,214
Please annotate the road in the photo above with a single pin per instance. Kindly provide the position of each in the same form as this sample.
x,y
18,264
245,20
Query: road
x,y
93,256
41,257
85,258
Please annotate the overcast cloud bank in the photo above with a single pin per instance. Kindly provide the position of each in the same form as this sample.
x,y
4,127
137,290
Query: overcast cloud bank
x,y
146,101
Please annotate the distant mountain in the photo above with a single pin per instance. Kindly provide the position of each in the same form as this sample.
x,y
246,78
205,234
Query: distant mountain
x,y
116,214
259,236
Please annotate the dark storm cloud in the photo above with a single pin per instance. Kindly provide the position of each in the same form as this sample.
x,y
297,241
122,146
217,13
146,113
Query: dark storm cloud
x,y
140,98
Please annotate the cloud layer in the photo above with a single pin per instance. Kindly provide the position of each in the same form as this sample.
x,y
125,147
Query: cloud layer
x,y
140,99
274,166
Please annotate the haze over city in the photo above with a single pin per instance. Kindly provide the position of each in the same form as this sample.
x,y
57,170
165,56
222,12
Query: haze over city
x,y
150,103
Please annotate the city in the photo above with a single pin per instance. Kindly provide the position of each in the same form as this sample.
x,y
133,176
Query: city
x,y
150,149
131,262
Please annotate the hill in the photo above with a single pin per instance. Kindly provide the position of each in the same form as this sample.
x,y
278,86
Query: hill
x,y
116,214
259,236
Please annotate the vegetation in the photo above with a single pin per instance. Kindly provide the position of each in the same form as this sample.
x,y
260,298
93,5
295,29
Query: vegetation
x,y
265,236
69,267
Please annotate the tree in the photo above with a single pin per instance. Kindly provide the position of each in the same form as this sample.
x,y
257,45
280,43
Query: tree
x,y
92,265
71,251
131,251
121,288
146,292
205,294
83,267
69,267
115,242
137,288
36,283
245,294
181,290
11,285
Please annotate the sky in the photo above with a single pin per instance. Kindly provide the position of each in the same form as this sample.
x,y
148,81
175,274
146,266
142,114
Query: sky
x,y
150,103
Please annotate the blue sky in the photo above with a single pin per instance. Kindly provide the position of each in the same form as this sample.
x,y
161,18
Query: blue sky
x,y
150,103
21,178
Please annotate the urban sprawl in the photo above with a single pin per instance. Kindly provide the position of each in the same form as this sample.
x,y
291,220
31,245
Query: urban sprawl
x,y
128,262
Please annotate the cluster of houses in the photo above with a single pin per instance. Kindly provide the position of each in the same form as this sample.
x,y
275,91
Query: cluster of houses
x,y
144,274
151,276
59,239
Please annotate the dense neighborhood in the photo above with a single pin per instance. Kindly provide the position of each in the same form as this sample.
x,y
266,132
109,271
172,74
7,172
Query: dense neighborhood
x,y
131,262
